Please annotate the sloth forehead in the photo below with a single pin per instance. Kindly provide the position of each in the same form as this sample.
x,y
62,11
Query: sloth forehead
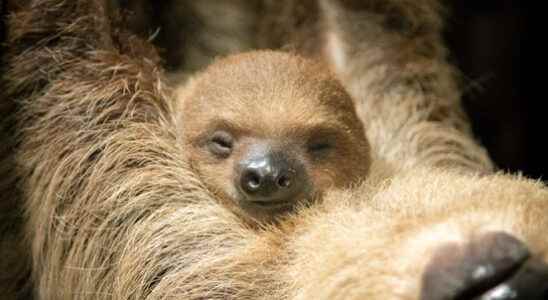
x,y
278,116
266,107
266,77
271,92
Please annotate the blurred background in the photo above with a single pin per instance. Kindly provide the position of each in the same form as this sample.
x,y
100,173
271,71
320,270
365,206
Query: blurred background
x,y
491,43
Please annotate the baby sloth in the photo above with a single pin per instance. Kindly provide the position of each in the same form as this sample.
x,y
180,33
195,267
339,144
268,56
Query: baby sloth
x,y
268,131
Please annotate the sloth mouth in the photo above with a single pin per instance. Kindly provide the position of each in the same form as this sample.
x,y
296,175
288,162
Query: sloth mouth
x,y
279,204
273,204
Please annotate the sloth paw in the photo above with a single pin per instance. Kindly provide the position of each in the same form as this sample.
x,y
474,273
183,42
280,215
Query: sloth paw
x,y
493,266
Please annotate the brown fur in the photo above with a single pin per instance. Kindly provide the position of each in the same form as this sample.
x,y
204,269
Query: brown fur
x,y
112,210
390,56
13,265
280,98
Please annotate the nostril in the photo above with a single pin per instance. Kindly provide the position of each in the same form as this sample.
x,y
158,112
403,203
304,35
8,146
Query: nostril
x,y
284,181
251,181
254,181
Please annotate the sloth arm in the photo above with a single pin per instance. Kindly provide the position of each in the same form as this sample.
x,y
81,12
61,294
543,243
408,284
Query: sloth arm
x,y
391,57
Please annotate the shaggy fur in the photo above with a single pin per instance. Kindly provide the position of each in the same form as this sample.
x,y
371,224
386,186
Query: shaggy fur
x,y
112,211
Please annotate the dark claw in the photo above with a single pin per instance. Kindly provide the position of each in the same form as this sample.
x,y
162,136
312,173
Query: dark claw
x,y
529,282
495,266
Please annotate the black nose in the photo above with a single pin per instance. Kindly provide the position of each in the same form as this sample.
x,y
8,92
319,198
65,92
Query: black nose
x,y
271,179
494,266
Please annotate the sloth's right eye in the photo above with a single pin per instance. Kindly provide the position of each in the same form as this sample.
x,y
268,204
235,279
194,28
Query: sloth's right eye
x,y
221,144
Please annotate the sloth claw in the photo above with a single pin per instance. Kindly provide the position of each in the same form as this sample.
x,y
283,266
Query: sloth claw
x,y
495,266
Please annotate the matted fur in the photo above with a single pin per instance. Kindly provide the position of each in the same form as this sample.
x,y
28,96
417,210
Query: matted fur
x,y
112,211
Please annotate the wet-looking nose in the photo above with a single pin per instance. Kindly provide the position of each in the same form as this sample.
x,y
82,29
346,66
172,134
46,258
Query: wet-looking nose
x,y
271,178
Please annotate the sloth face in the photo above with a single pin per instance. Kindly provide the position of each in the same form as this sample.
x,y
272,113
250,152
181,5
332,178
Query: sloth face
x,y
269,131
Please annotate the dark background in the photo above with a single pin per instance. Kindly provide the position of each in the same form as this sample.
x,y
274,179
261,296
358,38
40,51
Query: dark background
x,y
492,43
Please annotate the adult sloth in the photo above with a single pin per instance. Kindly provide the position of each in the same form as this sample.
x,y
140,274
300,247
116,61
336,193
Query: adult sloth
x,y
112,211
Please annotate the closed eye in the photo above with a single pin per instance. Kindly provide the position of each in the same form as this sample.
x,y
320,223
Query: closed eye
x,y
320,149
220,144
322,141
319,146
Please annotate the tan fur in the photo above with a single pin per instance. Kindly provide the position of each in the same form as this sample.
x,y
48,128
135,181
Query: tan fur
x,y
112,210
278,97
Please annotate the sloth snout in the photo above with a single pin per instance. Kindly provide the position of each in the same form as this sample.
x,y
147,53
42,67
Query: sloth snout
x,y
271,180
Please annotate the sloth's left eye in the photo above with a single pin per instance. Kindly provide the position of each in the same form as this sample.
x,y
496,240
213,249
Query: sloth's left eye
x,y
320,148
220,144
